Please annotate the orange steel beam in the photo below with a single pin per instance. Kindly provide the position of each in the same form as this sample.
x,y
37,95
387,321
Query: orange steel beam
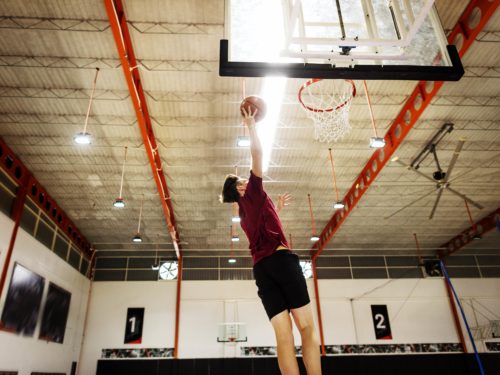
x,y
177,309
463,34
123,42
318,308
465,237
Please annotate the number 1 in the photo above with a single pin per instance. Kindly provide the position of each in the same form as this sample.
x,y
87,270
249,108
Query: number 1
x,y
132,326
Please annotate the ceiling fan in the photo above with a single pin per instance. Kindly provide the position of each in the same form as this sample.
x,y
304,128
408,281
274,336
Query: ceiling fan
x,y
439,177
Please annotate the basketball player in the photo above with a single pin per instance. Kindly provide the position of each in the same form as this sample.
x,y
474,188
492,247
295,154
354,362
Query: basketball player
x,y
278,275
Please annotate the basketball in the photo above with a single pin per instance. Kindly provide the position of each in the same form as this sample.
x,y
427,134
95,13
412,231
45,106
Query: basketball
x,y
251,103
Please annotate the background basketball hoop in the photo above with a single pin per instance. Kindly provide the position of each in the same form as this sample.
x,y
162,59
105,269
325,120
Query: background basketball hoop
x,y
327,103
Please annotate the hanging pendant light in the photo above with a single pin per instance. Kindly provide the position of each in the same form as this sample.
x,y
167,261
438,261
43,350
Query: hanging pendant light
x,y
314,236
376,141
119,202
83,137
137,238
338,203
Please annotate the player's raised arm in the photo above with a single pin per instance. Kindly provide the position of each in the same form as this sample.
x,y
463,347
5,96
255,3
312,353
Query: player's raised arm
x,y
255,145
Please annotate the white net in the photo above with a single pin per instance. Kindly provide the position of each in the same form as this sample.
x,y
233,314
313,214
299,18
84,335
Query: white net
x,y
327,103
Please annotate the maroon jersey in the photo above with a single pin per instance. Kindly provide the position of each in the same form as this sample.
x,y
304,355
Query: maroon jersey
x,y
260,221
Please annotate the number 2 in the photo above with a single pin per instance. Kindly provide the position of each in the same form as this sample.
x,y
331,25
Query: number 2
x,y
379,319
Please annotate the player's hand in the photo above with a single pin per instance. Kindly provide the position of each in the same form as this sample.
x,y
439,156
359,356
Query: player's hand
x,y
283,200
249,116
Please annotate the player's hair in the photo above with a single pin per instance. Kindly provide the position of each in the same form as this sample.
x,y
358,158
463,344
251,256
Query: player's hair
x,y
229,192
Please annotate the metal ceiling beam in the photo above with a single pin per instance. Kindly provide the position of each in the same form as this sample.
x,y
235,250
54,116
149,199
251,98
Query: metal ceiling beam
x,y
463,34
465,237
123,42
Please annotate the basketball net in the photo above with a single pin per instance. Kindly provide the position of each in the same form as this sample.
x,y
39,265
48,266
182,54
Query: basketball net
x,y
327,103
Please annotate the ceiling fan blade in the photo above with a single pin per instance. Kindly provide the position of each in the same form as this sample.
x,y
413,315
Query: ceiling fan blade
x,y
440,192
475,204
453,161
407,166
409,204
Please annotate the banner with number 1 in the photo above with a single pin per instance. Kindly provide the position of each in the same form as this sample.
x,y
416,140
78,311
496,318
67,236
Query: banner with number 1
x,y
133,327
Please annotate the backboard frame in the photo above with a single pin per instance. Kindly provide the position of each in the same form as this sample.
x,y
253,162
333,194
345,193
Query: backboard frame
x,y
327,71
367,39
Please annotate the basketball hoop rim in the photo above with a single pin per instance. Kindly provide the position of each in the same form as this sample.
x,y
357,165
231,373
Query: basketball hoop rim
x,y
315,80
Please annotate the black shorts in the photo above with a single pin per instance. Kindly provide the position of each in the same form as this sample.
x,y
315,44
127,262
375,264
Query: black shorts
x,y
281,283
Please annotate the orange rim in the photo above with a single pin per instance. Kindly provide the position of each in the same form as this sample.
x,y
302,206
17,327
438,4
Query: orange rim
x,y
315,80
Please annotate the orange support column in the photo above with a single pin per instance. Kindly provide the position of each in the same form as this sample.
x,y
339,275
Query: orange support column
x,y
123,41
178,309
318,308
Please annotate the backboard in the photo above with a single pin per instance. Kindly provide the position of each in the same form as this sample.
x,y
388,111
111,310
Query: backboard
x,y
349,39
232,332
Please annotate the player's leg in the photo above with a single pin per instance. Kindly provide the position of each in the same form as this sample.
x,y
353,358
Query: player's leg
x,y
303,319
287,361
277,312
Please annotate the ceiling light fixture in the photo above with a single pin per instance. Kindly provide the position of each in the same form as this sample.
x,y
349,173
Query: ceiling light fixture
x,y
236,219
314,236
243,141
338,203
231,260
137,237
119,202
84,138
376,141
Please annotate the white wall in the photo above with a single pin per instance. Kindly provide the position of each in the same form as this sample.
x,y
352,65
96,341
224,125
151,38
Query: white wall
x,y
27,354
107,317
418,309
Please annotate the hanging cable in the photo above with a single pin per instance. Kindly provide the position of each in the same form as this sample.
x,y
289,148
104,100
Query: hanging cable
x,y
338,204
418,250
475,234
119,202
314,237
140,215
333,175
84,138
91,99
376,141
